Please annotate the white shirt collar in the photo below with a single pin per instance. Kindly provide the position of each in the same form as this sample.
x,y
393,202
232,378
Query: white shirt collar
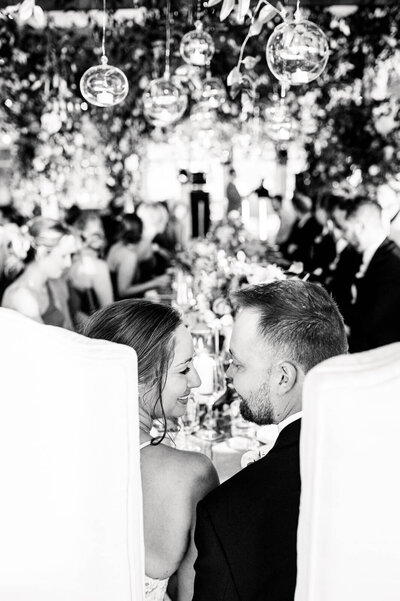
x,y
369,253
292,418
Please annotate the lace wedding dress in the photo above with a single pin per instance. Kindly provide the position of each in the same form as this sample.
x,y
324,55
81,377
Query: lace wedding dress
x,y
154,589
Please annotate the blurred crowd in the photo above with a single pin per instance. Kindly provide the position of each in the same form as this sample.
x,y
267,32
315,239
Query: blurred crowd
x,y
346,244
59,273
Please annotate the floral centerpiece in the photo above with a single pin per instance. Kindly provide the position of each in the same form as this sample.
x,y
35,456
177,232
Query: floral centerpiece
x,y
223,262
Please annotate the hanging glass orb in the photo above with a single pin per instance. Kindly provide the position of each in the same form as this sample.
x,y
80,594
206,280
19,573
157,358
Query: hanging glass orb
x,y
279,124
164,102
214,93
297,52
104,85
189,78
197,46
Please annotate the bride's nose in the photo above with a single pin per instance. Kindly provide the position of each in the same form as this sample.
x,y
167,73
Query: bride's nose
x,y
194,378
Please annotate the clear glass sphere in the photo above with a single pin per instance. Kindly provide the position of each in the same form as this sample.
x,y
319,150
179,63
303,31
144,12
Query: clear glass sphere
x,y
202,116
297,52
280,126
164,102
197,47
214,92
189,78
104,85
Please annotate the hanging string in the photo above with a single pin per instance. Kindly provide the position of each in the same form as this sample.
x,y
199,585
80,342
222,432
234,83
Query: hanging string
x,y
199,9
103,41
167,39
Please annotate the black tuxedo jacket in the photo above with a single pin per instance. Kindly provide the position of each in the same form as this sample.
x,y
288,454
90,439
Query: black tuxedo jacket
x,y
246,529
375,318
298,246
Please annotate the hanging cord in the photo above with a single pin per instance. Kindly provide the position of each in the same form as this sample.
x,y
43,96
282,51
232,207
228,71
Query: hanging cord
x,y
199,10
167,40
103,41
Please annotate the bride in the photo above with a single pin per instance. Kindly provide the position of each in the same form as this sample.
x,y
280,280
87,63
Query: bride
x,y
173,480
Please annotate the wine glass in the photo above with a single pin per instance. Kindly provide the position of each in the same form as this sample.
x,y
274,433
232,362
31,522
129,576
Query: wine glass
x,y
208,430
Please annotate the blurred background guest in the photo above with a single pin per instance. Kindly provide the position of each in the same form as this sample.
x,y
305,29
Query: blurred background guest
x,y
232,194
374,319
304,231
89,276
131,261
323,247
49,257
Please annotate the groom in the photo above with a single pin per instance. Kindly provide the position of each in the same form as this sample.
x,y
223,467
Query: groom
x,y
246,528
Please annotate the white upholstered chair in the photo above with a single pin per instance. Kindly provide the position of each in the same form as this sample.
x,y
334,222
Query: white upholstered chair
x,y
349,527
70,501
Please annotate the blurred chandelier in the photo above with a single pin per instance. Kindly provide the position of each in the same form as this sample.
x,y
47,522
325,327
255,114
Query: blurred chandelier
x,y
104,85
214,93
297,51
280,125
164,100
197,46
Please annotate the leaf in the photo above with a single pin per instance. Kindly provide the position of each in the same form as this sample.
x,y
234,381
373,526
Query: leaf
x,y
244,6
26,9
250,61
255,28
266,14
226,9
234,77
39,17
211,3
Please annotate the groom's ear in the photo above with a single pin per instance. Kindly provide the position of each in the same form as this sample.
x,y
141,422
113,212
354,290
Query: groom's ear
x,y
287,376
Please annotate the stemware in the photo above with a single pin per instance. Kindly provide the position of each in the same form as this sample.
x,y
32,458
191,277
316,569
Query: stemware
x,y
208,430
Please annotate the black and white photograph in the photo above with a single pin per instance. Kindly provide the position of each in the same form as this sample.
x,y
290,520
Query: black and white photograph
x,y
199,300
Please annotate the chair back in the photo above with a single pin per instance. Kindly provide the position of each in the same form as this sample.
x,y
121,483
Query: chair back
x,y
349,526
70,503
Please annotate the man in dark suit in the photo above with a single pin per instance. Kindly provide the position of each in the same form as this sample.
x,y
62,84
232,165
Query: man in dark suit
x,y
246,528
374,318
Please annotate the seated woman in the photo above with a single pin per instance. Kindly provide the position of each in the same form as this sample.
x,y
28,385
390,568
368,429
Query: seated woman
x,y
89,276
52,246
173,480
126,259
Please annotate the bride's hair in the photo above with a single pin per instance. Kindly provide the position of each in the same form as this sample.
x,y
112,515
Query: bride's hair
x,y
148,328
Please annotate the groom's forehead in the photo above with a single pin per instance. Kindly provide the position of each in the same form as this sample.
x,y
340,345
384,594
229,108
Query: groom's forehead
x,y
246,335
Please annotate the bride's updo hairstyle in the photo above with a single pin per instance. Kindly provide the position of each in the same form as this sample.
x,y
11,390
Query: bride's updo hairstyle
x,y
148,328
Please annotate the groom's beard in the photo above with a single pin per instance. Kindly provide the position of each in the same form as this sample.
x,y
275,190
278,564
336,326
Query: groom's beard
x,y
257,408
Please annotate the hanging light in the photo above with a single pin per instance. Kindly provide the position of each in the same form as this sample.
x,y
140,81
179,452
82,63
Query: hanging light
x,y
164,100
214,92
280,125
202,116
297,51
189,78
197,46
104,85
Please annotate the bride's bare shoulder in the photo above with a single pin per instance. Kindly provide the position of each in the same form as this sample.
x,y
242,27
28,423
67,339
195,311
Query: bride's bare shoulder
x,y
176,469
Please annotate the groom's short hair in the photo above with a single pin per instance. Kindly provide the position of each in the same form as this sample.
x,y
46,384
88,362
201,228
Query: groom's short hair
x,y
299,319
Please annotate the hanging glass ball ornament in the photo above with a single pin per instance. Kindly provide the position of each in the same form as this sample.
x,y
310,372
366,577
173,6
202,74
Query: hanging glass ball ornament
x,y
214,93
189,78
164,102
297,52
279,124
197,46
202,116
104,85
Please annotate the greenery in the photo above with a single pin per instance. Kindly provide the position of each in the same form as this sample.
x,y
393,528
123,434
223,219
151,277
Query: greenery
x,y
356,117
